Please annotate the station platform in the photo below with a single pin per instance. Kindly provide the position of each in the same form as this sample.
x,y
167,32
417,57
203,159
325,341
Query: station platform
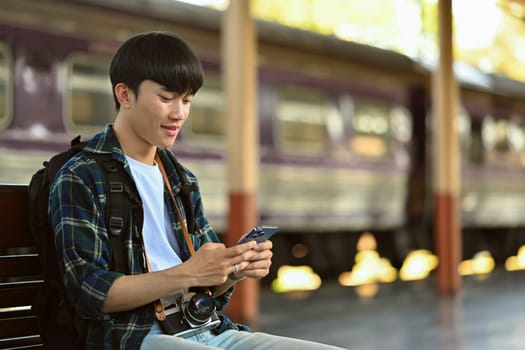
x,y
485,314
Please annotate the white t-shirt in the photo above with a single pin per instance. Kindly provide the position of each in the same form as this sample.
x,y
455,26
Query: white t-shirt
x,y
159,241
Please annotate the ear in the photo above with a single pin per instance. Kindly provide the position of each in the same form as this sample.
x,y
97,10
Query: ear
x,y
123,94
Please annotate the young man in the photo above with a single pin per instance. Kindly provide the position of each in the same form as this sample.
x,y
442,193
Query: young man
x,y
154,77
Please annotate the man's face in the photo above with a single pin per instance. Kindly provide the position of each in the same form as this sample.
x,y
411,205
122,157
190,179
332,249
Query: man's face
x,y
156,115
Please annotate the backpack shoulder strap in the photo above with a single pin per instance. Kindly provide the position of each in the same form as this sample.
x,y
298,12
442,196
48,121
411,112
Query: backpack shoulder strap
x,y
122,199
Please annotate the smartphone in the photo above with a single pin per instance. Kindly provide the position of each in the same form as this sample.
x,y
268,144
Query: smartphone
x,y
259,234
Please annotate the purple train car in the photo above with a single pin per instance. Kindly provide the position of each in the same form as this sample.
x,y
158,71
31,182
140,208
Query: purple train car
x,y
345,129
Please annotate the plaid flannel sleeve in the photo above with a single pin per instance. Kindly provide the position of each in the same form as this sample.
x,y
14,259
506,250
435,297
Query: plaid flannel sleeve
x,y
81,240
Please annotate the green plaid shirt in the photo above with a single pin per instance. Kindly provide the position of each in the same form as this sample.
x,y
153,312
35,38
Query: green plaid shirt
x,y
76,210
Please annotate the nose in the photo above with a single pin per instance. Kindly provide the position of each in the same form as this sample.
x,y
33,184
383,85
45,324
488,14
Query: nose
x,y
178,110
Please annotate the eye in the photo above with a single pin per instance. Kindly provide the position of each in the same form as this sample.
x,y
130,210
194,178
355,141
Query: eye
x,y
187,99
164,98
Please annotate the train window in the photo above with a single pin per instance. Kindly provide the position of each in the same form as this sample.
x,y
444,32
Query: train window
x,y
206,125
89,104
303,116
504,140
371,127
464,128
6,86
476,151
501,136
401,124
488,132
495,134
516,136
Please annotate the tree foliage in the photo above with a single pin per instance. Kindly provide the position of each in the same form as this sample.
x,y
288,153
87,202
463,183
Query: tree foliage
x,y
411,27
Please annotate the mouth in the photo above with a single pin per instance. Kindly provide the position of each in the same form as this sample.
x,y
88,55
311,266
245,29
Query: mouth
x,y
171,130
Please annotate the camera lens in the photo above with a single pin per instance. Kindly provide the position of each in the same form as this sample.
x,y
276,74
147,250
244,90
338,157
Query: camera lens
x,y
200,308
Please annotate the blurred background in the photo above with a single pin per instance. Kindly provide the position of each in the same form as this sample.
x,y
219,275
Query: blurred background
x,y
345,124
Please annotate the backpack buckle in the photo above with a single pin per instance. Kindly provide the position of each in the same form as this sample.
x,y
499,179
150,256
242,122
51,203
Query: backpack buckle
x,y
116,186
116,223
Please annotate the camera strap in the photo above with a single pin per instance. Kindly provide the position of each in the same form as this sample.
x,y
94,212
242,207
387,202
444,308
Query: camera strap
x,y
159,310
174,202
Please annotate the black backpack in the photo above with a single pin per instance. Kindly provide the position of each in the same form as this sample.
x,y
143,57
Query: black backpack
x,y
58,326
56,321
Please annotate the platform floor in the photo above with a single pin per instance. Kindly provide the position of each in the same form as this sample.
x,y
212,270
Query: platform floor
x,y
485,314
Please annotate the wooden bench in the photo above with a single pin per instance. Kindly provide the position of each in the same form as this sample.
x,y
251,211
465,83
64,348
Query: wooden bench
x,y
20,272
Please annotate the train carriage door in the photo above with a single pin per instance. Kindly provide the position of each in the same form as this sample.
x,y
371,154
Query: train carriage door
x,y
37,91
418,201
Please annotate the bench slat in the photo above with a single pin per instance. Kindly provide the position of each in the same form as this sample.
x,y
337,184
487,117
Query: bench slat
x,y
18,293
14,231
15,313
20,265
20,272
32,342
18,327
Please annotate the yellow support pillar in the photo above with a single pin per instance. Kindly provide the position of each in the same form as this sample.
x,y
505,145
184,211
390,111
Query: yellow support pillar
x,y
240,81
447,169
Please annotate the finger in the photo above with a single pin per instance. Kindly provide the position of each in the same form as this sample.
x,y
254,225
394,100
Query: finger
x,y
213,245
240,248
261,255
257,273
247,245
256,265
264,245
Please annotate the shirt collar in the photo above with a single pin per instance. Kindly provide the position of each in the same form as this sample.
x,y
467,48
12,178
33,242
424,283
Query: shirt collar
x,y
105,142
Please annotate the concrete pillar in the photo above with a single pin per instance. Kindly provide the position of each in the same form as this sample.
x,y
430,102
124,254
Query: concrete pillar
x,y
240,79
447,159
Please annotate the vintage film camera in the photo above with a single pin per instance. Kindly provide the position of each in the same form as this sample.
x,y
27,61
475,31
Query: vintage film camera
x,y
193,313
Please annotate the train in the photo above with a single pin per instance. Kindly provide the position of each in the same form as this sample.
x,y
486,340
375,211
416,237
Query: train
x,y
345,129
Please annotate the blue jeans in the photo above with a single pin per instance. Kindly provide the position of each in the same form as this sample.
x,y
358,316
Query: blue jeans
x,y
230,339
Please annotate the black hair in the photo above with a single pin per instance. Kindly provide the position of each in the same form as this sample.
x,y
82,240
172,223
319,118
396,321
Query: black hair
x,y
162,57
